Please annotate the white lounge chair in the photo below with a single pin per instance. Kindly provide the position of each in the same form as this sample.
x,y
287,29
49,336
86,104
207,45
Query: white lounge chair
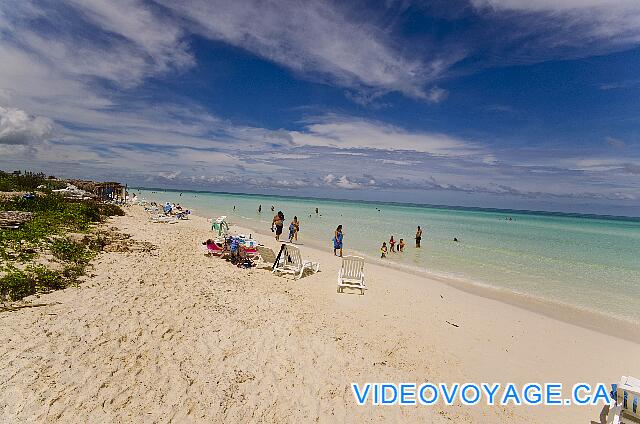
x,y
351,274
164,219
289,261
622,408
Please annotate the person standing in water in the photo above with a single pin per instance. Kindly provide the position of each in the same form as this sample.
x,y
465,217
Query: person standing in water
x,y
259,208
296,225
418,236
337,240
278,223
293,229
392,244
401,245
383,250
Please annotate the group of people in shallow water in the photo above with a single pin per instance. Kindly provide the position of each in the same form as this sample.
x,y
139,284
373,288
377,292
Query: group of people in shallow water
x,y
401,244
278,222
277,225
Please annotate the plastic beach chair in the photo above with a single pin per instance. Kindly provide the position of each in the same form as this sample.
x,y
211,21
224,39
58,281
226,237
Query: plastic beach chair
x,y
351,274
626,403
289,261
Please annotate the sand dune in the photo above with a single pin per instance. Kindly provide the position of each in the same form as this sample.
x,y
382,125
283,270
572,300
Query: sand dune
x,y
173,336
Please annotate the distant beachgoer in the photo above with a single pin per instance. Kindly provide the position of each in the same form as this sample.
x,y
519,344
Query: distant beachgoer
x,y
296,224
259,208
401,245
167,208
392,244
234,207
383,250
337,240
292,230
418,236
455,239
272,208
278,223
317,211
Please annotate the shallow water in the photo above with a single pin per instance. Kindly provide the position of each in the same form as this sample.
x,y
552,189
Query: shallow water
x,y
592,263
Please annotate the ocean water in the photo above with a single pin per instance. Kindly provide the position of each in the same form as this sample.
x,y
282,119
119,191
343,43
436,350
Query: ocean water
x,y
590,263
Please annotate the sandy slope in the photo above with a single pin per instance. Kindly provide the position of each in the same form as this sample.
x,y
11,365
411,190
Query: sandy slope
x,y
174,336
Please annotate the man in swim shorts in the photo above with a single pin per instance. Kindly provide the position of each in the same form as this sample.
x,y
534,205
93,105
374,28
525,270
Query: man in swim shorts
x,y
418,236
278,223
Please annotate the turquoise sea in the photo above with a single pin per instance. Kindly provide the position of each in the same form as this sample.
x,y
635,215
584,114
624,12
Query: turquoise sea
x,y
588,262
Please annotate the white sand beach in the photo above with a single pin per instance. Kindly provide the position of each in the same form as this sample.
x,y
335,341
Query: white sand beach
x,y
174,336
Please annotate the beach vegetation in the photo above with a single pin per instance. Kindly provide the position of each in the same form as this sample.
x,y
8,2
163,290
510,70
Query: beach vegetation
x,y
28,181
51,249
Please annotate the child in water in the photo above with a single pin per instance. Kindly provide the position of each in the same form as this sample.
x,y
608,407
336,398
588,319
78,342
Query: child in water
x,y
383,250
401,245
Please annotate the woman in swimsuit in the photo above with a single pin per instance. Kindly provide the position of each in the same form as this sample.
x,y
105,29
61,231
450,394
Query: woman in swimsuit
x,y
337,240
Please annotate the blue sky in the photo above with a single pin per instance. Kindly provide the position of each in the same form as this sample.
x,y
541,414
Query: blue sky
x,y
493,103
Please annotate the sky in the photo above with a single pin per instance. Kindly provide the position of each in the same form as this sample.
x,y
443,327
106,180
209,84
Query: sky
x,y
521,104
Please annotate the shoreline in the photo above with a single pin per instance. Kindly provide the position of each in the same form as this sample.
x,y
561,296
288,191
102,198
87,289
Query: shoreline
x,y
630,218
173,332
570,314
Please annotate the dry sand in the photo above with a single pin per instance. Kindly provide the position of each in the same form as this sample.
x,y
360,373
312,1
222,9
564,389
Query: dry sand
x,y
174,336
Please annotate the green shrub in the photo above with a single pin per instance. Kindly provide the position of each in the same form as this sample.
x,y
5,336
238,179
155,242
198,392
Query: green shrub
x,y
53,216
47,280
71,251
23,182
109,209
17,284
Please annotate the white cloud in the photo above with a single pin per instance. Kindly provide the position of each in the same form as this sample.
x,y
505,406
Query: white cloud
x,y
437,94
576,23
352,133
319,38
344,182
340,182
17,127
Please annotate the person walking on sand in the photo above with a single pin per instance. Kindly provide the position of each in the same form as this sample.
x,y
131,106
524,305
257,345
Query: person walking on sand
x,y
418,236
278,223
383,250
401,245
337,240
392,244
